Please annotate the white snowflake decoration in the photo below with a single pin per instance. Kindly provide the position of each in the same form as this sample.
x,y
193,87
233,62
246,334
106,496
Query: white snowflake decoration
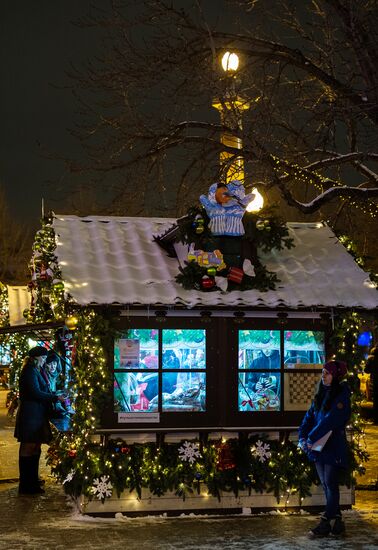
x,y
102,487
262,451
189,451
69,477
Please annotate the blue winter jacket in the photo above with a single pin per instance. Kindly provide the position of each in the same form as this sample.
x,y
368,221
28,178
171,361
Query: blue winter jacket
x,y
317,423
32,421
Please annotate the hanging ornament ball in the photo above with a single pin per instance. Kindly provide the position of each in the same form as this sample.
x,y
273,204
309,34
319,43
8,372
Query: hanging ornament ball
x,y
199,229
212,271
125,450
267,226
207,283
260,225
58,285
26,313
71,322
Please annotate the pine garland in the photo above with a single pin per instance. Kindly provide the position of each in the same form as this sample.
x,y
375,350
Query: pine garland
x,y
263,231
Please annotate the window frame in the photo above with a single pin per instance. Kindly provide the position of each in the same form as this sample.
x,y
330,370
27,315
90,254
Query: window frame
x,y
222,371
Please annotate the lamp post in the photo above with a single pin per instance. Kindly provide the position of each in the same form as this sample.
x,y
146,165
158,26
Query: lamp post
x,y
230,109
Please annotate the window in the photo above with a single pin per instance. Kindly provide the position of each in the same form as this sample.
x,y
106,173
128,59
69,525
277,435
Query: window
x,y
259,376
160,370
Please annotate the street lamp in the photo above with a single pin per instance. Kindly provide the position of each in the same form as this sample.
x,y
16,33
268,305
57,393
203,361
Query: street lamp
x,y
230,108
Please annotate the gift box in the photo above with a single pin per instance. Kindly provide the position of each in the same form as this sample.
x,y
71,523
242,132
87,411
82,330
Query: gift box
x,y
235,275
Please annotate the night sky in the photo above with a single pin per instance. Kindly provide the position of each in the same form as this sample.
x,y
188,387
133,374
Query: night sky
x,y
38,41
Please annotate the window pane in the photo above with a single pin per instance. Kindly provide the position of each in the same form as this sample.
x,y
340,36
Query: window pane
x,y
184,391
304,348
139,349
299,390
259,391
136,391
184,349
259,349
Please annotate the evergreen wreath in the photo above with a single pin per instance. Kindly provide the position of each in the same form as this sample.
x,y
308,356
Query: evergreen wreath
x,y
263,231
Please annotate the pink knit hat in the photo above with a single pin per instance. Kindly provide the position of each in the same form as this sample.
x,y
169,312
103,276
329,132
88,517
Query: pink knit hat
x,y
338,369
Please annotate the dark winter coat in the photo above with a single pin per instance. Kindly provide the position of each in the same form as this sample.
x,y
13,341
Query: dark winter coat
x,y
32,424
318,423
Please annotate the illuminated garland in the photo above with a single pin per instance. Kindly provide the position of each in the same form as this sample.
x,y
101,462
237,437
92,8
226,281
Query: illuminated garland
x,y
91,389
46,285
4,306
344,343
221,466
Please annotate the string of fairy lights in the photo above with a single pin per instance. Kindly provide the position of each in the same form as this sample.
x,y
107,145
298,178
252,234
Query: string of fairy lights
x,y
252,463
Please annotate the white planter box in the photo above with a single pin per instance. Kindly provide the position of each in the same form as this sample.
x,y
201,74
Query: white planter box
x,y
170,503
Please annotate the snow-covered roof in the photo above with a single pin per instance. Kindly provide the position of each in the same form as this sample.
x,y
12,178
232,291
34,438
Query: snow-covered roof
x,y
114,260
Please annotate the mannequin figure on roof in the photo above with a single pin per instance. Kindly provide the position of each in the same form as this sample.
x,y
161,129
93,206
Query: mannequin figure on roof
x,y
225,205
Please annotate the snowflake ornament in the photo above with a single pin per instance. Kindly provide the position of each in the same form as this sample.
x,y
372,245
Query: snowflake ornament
x,y
262,451
189,452
102,487
69,477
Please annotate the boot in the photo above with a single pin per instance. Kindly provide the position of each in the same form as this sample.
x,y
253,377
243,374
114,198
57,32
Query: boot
x,y
40,480
323,529
338,528
28,485
35,478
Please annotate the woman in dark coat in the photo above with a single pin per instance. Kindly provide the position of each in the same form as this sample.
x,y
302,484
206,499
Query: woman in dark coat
x,y
328,416
32,423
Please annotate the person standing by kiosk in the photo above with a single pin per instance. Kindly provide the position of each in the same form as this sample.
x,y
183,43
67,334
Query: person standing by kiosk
x,y
322,437
32,421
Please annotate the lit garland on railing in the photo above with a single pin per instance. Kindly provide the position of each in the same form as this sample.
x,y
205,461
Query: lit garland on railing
x,y
4,306
221,466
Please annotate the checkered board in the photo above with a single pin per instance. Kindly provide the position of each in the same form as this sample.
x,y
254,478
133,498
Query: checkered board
x,y
302,387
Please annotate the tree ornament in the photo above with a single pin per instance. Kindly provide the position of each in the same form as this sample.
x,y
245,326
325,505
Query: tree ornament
x,y
189,452
248,268
102,487
207,283
221,283
71,322
260,225
267,225
69,477
262,451
235,275
225,459
72,453
211,271
125,450
58,285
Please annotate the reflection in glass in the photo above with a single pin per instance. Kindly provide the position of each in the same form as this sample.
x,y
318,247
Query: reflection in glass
x,y
300,389
139,349
304,348
259,349
184,391
184,349
136,391
259,391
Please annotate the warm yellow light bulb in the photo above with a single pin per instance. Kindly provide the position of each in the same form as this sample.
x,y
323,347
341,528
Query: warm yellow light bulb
x,y
230,62
257,203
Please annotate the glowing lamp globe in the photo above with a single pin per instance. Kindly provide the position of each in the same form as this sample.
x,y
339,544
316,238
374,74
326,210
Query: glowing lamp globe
x,y
230,62
257,203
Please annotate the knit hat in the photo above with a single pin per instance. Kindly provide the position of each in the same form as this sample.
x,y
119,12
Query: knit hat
x,y
37,351
338,369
